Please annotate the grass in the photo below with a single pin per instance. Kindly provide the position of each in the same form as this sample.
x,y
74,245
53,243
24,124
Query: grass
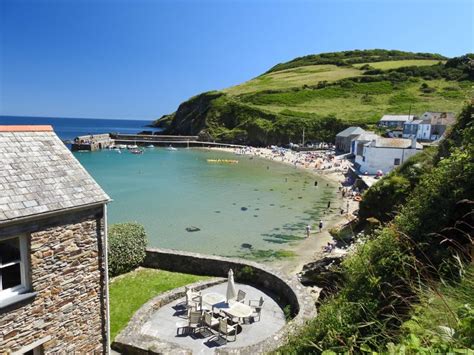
x,y
312,74
295,77
367,102
451,305
393,64
130,291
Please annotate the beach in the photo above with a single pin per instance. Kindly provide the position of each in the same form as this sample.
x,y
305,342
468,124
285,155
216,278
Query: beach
x,y
332,169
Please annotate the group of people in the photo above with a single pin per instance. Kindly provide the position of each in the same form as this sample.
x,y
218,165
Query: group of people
x,y
308,228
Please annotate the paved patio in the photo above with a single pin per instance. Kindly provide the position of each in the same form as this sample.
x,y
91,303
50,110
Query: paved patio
x,y
162,324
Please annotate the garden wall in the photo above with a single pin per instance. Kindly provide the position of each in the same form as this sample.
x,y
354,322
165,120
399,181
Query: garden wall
x,y
286,290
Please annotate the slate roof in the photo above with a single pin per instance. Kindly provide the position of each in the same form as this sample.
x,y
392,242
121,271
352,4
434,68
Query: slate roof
x,y
38,174
439,118
350,131
396,118
393,143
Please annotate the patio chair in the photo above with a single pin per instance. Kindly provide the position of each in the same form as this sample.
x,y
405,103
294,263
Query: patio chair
x,y
241,296
192,299
225,329
209,321
257,306
194,322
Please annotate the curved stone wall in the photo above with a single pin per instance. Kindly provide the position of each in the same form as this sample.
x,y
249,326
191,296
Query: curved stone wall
x,y
286,290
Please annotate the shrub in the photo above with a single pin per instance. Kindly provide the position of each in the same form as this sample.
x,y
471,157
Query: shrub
x,y
126,250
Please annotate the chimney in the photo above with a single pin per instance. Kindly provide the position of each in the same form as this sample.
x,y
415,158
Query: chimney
x,y
413,142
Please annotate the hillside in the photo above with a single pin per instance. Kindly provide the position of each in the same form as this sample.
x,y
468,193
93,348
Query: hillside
x,y
407,286
323,94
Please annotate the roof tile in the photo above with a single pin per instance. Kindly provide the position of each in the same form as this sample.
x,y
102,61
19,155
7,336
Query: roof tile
x,y
39,174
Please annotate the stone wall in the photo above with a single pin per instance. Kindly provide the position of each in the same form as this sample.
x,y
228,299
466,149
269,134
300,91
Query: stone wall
x,y
286,290
67,273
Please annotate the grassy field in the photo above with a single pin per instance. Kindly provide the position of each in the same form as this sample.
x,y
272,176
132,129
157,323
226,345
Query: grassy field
x,y
312,74
130,291
393,64
295,77
366,102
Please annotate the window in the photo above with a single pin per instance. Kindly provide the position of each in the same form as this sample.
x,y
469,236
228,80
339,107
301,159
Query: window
x,y
13,256
396,162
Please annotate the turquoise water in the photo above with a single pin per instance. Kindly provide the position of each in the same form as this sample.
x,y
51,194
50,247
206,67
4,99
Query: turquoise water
x,y
258,202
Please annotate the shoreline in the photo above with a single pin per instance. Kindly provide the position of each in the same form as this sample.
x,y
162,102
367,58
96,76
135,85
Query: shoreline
x,y
310,249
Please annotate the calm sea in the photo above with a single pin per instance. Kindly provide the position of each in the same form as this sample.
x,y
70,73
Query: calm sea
x,y
256,202
69,128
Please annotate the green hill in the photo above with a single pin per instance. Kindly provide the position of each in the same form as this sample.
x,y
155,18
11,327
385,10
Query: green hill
x,y
323,94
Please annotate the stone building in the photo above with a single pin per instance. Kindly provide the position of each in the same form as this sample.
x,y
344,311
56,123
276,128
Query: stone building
x,y
344,138
53,262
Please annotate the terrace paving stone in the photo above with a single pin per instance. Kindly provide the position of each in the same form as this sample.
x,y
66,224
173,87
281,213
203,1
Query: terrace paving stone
x,y
162,325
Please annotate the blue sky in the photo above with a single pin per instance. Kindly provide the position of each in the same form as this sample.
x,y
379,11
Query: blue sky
x,y
139,59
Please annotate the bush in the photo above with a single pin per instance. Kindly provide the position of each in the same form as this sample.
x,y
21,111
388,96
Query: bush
x,y
126,250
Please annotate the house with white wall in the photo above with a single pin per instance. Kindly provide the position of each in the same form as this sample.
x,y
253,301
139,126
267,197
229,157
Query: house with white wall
x,y
429,127
385,154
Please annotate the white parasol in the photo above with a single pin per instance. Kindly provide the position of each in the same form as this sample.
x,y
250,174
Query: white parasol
x,y
231,293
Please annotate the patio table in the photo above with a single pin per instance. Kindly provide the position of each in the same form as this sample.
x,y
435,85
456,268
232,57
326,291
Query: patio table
x,y
213,298
238,310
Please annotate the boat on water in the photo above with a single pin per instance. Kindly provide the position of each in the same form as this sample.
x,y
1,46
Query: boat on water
x,y
150,146
136,151
121,146
170,147
132,146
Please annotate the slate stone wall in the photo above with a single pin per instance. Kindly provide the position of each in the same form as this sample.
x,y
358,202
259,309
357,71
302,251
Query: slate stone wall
x,y
67,273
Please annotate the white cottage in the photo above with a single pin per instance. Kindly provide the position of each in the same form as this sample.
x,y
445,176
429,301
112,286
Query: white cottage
x,y
385,154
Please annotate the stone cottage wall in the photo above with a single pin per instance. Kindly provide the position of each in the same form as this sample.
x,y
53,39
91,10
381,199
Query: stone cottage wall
x,y
67,273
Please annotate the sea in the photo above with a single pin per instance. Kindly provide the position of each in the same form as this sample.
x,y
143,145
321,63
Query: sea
x,y
251,209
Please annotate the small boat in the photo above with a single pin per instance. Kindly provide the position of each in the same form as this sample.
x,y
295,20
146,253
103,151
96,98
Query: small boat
x,y
170,147
150,146
119,151
121,146
136,151
132,146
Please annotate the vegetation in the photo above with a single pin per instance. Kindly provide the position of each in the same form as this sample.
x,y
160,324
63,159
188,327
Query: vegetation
x,y
408,286
351,57
323,94
126,249
130,291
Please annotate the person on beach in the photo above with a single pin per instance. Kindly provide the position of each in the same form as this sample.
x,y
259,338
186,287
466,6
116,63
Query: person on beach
x,y
329,204
315,183
308,230
320,226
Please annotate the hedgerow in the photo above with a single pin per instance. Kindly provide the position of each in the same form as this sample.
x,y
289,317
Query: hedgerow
x,y
126,247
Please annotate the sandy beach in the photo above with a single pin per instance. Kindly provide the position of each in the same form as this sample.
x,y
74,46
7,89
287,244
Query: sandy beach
x,y
324,165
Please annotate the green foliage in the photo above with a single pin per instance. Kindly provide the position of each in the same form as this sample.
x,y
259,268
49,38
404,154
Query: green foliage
x,y
382,200
442,321
126,247
275,107
391,284
130,291
351,57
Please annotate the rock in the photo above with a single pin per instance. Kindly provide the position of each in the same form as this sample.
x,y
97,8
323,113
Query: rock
x,y
193,229
246,246
243,208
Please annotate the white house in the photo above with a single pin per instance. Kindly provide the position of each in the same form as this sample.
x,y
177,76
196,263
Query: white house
x,y
385,154
395,121
357,144
430,127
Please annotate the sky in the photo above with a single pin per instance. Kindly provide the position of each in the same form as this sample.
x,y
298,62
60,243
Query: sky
x,y
139,59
